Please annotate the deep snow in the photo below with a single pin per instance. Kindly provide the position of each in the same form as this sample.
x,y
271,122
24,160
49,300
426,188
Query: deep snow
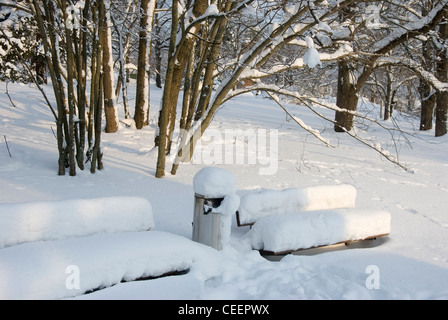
x,y
412,263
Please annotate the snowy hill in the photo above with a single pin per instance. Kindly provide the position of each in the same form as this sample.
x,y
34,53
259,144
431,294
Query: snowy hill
x,y
412,263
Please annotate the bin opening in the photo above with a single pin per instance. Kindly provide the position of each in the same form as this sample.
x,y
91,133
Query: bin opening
x,y
210,204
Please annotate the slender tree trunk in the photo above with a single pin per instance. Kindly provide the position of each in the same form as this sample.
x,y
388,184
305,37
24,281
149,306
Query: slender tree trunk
x,y
389,95
71,103
161,138
110,109
82,83
158,52
187,93
96,101
144,54
442,75
122,83
427,93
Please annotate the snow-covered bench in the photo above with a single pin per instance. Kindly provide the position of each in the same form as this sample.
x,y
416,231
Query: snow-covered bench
x,y
264,203
293,232
297,219
60,249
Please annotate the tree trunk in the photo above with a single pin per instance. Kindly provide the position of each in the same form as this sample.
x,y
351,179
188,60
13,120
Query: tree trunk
x,y
428,101
49,41
110,109
347,98
71,103
121,83
41,69
160,139
388,100
442,75
144,54
427,94
177,60
158,55
96,99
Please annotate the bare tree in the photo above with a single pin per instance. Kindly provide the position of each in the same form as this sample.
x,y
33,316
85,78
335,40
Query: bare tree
x,y
397,35
74,35
296,25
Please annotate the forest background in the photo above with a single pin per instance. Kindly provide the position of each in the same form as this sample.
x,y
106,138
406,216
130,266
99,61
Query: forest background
x,y
203,53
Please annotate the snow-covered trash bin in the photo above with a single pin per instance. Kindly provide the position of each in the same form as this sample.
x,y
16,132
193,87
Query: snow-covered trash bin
x,y
215,203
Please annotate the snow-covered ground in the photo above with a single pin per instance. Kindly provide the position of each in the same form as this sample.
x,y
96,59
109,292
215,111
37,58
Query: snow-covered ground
x,y
412,263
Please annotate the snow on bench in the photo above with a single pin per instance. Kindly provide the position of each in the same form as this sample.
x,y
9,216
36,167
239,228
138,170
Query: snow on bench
x,y
70,267
60,249
286,233
52,220
302,218
264,203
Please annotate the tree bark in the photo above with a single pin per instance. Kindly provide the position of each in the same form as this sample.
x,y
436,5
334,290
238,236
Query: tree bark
x,y
428,101
110,109
347,97
144,54
442,75
427,93
96,100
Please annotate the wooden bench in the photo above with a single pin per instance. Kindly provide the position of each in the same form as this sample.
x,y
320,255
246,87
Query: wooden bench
x,y
298,219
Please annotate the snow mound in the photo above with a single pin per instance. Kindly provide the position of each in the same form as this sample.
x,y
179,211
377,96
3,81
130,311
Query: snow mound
x,y
292,232
271,202
214,182
311,57
71,267
52,220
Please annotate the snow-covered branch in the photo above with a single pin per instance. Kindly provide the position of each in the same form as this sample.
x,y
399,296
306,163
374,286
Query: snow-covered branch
x,y
411,29
417,68
310,102
15,5
299,121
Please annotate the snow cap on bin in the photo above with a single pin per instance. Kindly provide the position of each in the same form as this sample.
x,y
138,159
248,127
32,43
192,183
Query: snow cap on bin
x,y
214,182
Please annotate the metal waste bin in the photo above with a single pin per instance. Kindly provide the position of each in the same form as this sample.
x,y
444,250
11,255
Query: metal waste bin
x,y
206,223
